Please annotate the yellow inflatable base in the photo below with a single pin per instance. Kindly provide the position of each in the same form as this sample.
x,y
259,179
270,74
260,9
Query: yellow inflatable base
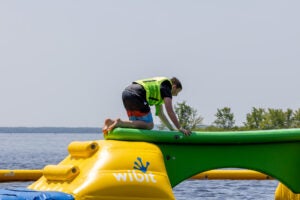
x,y
284,193
109,170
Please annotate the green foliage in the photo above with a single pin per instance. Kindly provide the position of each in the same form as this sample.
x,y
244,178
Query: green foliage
x,y
257,119
187,116
289,118
296,119
276,119
270,119
225,119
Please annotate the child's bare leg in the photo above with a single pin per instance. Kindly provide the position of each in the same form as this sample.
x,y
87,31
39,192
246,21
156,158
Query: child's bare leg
x,y
130,124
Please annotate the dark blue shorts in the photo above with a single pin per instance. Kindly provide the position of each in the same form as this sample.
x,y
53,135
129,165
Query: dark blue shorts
x,y
136,106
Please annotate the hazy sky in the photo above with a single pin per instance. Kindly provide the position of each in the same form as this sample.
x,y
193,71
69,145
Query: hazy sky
x,y
66,62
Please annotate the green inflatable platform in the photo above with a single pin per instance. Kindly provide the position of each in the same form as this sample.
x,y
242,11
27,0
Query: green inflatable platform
x,y
272,152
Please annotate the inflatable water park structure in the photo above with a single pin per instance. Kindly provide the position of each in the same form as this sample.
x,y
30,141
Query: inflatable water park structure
x,y
146,164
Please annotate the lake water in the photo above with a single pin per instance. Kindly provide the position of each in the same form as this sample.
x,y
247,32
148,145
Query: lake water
x,y
34,151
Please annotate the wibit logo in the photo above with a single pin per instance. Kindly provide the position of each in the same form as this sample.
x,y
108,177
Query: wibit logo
x,y
140,166
132,175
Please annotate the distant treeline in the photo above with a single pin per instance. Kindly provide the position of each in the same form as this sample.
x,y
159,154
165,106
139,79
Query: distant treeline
x,y
50,130
257,119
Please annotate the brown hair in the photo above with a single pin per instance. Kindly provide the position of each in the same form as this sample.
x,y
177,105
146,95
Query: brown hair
x,y
176,82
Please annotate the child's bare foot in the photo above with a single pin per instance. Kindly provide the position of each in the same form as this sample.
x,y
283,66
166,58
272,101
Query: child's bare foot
x,y
114,124
107,124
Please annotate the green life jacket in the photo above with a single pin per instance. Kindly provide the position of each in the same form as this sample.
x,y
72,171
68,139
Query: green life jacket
x,y
152,87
